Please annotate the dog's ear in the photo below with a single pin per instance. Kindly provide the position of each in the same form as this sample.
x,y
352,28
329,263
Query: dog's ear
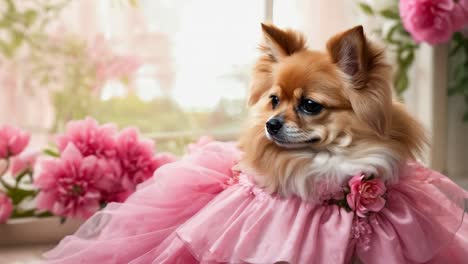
x,y
277,44
367,74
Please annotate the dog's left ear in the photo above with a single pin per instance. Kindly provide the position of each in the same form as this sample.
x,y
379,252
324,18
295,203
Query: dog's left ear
x,y
365,69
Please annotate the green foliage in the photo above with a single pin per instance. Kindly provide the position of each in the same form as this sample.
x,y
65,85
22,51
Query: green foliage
x,y
20,27
400,42
366,8
62,65
390,14
458,68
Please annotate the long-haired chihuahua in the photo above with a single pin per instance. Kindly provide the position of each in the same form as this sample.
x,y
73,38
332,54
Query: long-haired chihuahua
x,y
323,116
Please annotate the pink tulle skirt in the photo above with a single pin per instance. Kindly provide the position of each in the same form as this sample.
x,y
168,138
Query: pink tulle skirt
x,y
191,212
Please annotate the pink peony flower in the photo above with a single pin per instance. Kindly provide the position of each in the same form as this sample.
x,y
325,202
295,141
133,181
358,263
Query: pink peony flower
x,y
109,65
112,186
164,158
202,141
136,157
365,195
6,208
433,21
23,162
12,141
89,138
69,185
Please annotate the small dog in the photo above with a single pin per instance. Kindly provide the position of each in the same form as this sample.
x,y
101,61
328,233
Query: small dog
x,y
323,116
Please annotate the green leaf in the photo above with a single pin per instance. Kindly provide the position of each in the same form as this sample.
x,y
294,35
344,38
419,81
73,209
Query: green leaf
x,y
465,117
51,152
6,49
401,82
389,37
6,23
19,214
29,17
21,176
18,195
17,40
405,58
44,214
452,91
455,49
390,14
367,9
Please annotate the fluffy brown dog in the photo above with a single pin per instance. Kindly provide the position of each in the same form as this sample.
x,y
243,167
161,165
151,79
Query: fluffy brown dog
x,y
322,116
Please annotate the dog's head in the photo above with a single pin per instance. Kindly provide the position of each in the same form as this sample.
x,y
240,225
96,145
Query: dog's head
x,y
306,102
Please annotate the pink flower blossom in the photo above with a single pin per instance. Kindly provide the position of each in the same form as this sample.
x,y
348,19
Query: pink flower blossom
x,y
6,208
433,21
23,162
202,141
108,65
136,157
116,67
12,141
164,158
69,184
112,186
365,195
89,138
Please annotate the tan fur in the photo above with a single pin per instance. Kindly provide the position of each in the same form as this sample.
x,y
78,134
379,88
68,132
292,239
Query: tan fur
x,y
352,81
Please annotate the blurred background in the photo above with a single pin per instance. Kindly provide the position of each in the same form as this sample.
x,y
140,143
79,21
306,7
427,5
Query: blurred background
x,y
179,69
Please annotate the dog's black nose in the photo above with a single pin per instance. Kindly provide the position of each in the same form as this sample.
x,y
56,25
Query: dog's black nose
x,y
274,125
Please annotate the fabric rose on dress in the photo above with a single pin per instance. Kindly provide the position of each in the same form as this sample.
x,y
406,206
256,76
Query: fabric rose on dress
x,y
6,208
24,161
365,195
69,184
89,138
12,141
433,21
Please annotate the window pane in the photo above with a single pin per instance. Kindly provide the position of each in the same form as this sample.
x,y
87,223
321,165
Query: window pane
x,y
162,65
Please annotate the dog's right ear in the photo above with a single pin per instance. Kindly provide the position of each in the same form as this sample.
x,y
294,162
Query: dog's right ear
x,y
277,44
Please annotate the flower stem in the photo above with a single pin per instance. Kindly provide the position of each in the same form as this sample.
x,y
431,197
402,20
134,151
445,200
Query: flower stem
x,y
7,160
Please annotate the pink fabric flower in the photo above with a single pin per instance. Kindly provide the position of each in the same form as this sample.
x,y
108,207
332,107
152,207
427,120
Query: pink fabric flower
x,y
366,195
23,162
6,208
433,21
89,138
202,141
69,185
136,157
12,141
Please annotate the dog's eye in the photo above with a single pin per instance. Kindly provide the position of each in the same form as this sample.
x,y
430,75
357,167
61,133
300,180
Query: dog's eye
x,y
274,101
310,107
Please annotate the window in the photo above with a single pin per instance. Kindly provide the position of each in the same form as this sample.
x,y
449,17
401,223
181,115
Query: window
x,y
175,69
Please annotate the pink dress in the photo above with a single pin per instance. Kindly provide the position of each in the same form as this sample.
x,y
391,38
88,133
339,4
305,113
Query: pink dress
x,y
198,210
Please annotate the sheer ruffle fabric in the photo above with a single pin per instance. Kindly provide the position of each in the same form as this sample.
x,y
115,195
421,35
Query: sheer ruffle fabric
x,y
188,213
